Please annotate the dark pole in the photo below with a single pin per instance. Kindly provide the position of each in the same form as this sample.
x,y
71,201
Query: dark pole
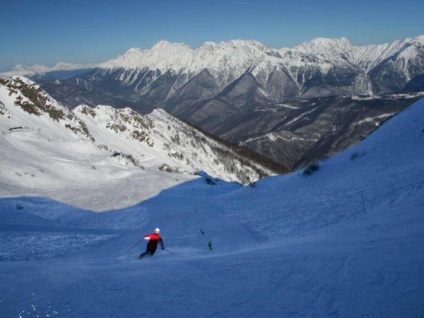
x,y
135,245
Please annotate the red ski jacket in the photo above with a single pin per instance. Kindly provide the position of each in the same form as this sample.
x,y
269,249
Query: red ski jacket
x,y
153,239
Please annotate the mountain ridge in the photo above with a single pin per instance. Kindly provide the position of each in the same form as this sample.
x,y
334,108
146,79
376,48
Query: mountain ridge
x,y
44,142
137,58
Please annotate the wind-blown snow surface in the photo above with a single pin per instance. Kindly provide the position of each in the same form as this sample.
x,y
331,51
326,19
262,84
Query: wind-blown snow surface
x,y
346,241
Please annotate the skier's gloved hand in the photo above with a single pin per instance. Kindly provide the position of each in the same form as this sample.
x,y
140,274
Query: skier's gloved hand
x,y
163,247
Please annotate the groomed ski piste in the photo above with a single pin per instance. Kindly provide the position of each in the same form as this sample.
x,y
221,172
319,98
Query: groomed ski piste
x,y
345,240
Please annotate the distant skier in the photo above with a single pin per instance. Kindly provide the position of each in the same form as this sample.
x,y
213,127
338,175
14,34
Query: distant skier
x,y
153,239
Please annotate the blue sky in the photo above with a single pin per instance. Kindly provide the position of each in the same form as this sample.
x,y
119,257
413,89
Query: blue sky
x,y
92,31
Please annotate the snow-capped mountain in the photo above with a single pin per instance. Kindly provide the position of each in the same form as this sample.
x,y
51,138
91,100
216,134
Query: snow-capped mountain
x,y
57,71
263,98
348,69
337,63
225,61
44,142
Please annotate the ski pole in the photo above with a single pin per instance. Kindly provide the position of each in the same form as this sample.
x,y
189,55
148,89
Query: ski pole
x,y
135,245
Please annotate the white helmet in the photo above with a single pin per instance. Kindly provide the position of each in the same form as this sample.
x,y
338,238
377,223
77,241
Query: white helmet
x,y
157,230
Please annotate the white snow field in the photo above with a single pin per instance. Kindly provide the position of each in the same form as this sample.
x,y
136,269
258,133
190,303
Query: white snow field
x,y
345,241
81,157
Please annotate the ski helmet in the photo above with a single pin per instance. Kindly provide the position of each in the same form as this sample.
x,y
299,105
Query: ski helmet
x,y
157,230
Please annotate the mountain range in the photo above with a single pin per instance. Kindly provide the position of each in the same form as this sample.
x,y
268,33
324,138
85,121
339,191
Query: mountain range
x,y
292,105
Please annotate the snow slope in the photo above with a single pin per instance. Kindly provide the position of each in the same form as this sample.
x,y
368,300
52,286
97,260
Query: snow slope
x,y
47,158
50,151
344,241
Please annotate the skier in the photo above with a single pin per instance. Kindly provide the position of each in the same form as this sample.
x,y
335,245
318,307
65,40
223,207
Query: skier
x,y
153,239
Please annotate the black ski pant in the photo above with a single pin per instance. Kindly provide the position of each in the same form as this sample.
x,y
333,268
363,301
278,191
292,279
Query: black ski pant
x,y
149,252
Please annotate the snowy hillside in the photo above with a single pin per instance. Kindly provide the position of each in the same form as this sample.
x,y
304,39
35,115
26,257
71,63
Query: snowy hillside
x,y
89,152
344,238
